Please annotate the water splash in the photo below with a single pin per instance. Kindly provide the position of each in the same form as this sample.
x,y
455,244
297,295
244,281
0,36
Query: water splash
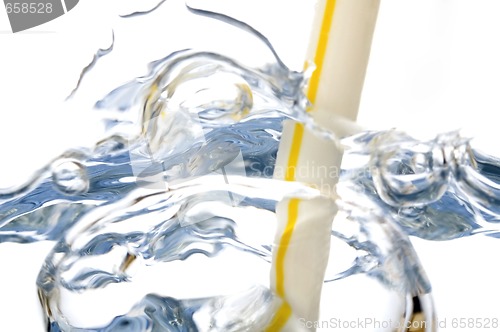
x,y
438,190
149,244
158,210
140,13
99,54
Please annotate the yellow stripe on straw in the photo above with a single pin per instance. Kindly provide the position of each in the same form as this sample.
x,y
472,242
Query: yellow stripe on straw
x,y
284,312
319,56
293,160
280,319
293,212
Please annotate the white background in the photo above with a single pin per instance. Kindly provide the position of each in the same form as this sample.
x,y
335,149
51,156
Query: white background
x,y
435,66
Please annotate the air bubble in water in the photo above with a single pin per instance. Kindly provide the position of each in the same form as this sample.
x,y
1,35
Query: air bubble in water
x,y
70,177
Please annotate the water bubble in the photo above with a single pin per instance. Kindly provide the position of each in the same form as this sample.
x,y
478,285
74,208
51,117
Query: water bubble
x,y
407,172
70,177
205,92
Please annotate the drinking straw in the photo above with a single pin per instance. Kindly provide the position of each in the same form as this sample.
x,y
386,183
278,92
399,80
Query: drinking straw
x,y
339,48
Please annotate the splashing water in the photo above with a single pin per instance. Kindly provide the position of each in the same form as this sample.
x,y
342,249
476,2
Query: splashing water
x,y
189,235
438,190
167,223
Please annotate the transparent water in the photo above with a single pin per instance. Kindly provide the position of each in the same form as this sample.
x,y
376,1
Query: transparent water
x,y
168,222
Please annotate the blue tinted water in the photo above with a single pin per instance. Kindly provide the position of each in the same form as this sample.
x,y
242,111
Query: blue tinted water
x,y
167,223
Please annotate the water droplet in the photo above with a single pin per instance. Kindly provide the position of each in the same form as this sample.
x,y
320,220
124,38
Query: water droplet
x,y
70,177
